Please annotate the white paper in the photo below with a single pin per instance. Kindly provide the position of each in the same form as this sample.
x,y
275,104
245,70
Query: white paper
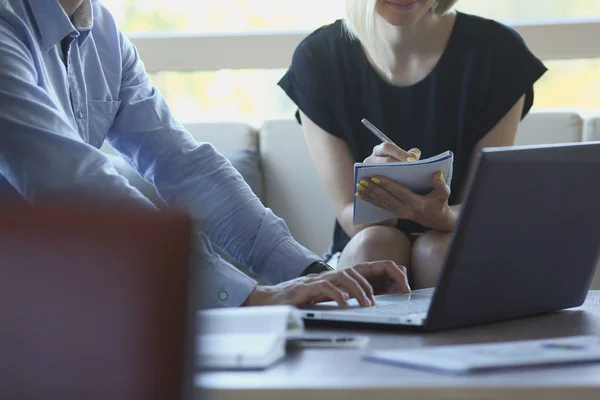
x,y
245,337
239,351
271,319
416,176
467,358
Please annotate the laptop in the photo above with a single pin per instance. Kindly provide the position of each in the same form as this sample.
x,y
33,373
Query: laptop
x,y
527,243
94,304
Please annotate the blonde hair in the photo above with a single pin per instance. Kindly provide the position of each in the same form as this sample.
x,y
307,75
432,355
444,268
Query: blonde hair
x,y
360,22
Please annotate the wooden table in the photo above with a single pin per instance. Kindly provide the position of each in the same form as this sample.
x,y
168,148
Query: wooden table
x,y
342,374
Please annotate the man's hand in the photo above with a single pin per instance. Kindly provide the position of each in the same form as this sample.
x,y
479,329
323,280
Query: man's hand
x,y
339,286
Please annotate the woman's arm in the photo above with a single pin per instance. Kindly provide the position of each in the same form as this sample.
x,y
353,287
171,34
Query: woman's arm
x,y
335,165
503,134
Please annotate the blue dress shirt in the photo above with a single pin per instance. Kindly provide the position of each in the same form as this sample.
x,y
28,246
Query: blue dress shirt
x,y
67,85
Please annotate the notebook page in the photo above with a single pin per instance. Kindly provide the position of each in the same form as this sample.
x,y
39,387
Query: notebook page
x,y
416,176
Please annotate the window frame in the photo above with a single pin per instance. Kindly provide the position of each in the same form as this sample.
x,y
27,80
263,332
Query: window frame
x,y
549,40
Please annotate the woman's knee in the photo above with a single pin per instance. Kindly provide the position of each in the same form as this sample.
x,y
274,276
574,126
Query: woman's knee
x,y
381,236
428,254
432,244
377,243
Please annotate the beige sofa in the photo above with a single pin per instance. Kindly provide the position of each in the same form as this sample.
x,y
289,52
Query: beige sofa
x,y
291,187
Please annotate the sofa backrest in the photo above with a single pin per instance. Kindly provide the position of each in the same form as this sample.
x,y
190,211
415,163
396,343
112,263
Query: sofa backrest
x,y
225,136
293,188
592,129
556,126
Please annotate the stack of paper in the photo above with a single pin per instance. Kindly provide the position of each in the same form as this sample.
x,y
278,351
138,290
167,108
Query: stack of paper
x,y
488,356
245,337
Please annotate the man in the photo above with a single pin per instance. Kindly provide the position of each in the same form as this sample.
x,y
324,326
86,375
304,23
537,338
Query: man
x,y
69,79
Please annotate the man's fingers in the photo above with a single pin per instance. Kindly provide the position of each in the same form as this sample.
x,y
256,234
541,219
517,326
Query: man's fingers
x,y
345,281
323,298
366,286
393,272
328,290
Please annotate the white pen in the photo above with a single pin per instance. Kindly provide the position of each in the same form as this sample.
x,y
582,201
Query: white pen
x,y
376,131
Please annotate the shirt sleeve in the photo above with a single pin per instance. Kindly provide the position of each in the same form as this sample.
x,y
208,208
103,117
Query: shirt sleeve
x,y
305,86
41,154
42,157
195,177
512,73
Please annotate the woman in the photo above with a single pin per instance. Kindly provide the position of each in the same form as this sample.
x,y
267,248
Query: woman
x,y
432,79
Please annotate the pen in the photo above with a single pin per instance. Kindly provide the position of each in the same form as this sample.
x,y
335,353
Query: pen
x,y
376,131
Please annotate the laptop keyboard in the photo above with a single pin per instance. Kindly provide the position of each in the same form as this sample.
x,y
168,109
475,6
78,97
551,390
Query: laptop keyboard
x,y
396,308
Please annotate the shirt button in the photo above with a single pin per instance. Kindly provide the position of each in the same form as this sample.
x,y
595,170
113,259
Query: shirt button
x,y
80,114
223,295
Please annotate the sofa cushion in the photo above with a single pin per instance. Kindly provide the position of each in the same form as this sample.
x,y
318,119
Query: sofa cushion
x,y
592,129
293,188
545,127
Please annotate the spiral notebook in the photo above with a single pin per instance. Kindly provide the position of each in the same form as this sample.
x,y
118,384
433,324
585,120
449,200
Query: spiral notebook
x,y
416,176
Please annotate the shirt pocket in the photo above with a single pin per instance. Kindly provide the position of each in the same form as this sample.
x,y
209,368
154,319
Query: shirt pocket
x,y
101,118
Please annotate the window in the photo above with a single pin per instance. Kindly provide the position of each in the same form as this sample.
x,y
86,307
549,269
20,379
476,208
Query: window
x,y
570,84
213,16
247,95
253,95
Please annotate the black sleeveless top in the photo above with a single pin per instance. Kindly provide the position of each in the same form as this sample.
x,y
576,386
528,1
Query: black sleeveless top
x,y
484,70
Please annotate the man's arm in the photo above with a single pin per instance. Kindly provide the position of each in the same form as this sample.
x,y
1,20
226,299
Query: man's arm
x,y
197,178
41,154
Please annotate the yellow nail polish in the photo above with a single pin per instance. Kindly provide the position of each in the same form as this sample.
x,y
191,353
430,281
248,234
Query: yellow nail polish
x,y
411,159
375,180
360,187
358,195
364,183
442,177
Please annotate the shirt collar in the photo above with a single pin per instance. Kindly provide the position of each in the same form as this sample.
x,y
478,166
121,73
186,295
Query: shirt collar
x,y
55,25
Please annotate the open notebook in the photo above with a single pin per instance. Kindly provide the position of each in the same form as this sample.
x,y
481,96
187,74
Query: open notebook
x,y
416,176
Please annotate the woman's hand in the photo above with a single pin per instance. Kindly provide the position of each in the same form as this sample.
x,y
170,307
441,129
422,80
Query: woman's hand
x,y
389,152
361,281
431,210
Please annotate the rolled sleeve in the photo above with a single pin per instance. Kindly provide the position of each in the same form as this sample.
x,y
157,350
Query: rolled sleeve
x,y
225,285
197,178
